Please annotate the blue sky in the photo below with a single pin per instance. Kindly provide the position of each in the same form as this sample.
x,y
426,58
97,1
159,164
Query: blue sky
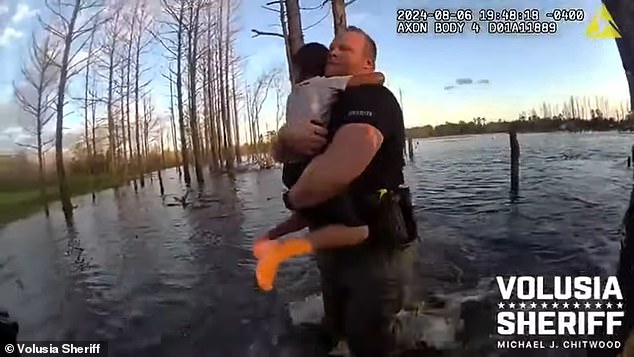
x,y
523,71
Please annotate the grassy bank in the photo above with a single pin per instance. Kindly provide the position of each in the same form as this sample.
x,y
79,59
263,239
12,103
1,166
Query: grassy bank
x,y
20,203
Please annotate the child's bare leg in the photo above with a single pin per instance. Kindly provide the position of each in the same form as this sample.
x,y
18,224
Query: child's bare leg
x,y
292,224
329,237
336,236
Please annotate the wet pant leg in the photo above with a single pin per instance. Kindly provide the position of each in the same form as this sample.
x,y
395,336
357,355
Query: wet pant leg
x,y
362,294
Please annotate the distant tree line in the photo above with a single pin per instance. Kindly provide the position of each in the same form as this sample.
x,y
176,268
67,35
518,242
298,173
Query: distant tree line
x,y
577,115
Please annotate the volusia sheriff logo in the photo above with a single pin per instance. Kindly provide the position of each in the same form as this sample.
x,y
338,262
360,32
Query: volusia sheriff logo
x,y
574,311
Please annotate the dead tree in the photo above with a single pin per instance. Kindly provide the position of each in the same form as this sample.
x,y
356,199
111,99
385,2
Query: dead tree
x,y
222,84
209,88
283,15
294,21
141,43
231,118
66,27
173,124
192,28
255,97
339,15
86,99
234,96
35,97
172,41
128,84
280,107
110,47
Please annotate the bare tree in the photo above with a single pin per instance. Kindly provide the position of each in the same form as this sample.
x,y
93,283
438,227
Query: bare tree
x,y
192,28
234,74
280,102
66,27
283,15
111,41
294,20
35,97
255,97
209,88
173,123
144,24
172,41
131,22
86,90
339,15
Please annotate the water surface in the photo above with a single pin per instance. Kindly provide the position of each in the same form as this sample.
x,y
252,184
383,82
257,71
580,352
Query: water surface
x,y
155,278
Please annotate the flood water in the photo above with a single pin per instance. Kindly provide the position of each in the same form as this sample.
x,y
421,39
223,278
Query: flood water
x,y
154,278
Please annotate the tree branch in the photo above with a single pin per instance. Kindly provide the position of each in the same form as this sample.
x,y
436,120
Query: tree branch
x,y
323,4
28,146
264,33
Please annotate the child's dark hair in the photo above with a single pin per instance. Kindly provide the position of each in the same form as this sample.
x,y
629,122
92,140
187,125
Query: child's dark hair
x,y
310,60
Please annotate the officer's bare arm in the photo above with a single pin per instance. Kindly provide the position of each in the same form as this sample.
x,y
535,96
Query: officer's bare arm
x,y
350,152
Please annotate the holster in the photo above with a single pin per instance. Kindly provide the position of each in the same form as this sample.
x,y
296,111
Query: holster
x,y
391,218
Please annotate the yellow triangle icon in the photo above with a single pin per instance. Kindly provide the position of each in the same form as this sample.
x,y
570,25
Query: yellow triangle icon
x,y
609,30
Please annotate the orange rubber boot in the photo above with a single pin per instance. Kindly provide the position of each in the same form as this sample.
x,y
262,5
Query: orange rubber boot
x,y
275,252
259,246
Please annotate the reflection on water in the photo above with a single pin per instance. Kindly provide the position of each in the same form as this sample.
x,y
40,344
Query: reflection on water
x,y
152,277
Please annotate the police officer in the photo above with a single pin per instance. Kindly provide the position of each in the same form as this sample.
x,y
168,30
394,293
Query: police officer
x,y
362,286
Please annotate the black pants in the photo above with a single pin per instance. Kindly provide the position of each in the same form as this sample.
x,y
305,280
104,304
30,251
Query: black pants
x,y
363,289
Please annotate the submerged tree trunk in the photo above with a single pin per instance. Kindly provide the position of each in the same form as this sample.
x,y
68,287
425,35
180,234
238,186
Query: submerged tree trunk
x,y
64,192
94,143
40,162
179,96
235,114
173,126
209,88
192,54
139,159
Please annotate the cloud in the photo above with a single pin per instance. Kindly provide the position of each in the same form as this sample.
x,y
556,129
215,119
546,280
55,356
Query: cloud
x,y
12,115
462,81
9,34
3,9
484,81
23,12
449,87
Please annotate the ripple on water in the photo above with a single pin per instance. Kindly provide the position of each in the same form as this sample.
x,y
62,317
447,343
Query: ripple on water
x,y
160,279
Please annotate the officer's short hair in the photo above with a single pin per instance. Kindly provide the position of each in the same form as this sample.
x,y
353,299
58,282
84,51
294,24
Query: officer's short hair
x,y
370,45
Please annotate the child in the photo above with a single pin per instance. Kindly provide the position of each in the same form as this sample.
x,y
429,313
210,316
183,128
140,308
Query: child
x,y
311,98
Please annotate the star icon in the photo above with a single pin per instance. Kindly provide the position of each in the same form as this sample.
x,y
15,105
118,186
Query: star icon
x,y
544,305
565,305
608,305
597,305
533,305
523,305
555,305
576,305
587,305
619,305
501,305
512,305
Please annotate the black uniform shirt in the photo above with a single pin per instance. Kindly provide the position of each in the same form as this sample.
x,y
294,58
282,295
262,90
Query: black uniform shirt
x,y
377,106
